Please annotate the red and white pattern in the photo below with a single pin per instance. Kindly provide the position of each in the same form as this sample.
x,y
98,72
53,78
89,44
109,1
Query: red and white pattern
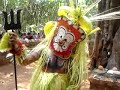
x,y
65,37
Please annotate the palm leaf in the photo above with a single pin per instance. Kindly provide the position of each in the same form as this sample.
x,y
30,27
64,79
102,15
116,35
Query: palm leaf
x,y
93,31
71,2
108,16
4,45
91,6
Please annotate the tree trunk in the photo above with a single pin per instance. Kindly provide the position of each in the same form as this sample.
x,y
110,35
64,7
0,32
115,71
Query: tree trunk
x,y
106,51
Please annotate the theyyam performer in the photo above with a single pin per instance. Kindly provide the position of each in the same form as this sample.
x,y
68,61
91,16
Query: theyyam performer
x,y
62,55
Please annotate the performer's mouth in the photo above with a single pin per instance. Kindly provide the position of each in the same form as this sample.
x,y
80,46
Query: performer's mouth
x,y
60,43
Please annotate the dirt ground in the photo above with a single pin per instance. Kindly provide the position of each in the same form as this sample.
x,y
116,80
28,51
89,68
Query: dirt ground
x,y
7,77
23,77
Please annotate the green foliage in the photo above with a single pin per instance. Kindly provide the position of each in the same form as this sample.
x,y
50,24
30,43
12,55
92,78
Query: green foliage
x,y
37,12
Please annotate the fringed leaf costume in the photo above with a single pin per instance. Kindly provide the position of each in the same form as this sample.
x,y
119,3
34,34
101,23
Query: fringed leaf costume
x,y
4,46
63,54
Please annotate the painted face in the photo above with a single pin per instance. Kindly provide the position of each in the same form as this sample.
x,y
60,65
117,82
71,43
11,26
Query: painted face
x,y
65,38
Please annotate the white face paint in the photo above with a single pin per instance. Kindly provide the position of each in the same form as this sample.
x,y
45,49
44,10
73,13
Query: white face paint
x,y
63,39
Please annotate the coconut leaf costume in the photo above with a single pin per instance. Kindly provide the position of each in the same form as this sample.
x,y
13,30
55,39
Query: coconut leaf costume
x,y
4,42
63,53
62,64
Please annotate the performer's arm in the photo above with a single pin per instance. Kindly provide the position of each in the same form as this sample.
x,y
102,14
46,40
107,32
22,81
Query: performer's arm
x,y
19,50
32,56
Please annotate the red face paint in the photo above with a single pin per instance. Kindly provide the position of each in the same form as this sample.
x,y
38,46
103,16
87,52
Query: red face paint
x,y
66,36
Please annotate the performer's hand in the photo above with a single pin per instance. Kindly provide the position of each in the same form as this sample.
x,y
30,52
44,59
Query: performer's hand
x,y
15,43
13,40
